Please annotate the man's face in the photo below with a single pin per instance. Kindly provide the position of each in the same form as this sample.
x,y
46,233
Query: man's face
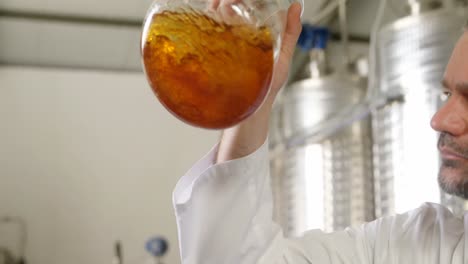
x,y
452,122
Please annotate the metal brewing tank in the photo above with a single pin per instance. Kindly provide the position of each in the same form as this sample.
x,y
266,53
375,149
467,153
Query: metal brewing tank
x,y
413,53
324,182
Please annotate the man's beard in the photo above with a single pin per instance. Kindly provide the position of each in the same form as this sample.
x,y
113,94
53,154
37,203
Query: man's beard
x,y
459,185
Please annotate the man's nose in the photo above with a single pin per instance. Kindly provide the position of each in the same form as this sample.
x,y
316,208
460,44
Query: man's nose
x,y
451,118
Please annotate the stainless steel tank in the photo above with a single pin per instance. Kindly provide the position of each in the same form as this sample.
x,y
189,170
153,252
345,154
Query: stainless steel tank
x,y
413,53
325,181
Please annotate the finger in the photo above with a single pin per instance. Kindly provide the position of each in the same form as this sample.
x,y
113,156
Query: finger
x,y
213,5
292,30
229,11
228,8
216,4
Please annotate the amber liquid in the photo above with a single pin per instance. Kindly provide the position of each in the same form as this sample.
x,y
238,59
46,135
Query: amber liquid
x,y
207,73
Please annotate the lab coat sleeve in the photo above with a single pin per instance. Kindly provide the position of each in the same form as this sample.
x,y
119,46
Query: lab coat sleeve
x,y
224,216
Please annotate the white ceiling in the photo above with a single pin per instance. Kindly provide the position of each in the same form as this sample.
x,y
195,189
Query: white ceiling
x,y
28,38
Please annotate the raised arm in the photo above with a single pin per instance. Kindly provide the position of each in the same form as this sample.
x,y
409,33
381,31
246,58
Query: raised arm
x,y
224,211
248,136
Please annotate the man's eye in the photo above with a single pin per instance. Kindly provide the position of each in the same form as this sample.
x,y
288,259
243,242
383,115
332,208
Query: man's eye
x,y
445,95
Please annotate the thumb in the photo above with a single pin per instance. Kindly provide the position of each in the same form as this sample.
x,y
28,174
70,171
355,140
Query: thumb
x,y
292,30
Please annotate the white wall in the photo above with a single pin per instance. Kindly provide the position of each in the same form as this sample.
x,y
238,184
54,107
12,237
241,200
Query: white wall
x,y
88,158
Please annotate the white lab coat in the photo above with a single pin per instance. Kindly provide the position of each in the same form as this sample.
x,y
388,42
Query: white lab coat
x,y
224,216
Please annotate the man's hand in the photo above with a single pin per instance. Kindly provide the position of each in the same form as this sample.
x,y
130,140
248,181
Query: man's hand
x,y
292,30
248,136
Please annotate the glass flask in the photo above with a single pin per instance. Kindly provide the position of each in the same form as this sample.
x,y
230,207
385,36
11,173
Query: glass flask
x,y
210,62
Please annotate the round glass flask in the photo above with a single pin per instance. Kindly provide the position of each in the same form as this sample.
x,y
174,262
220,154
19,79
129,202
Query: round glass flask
x,y
210,62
